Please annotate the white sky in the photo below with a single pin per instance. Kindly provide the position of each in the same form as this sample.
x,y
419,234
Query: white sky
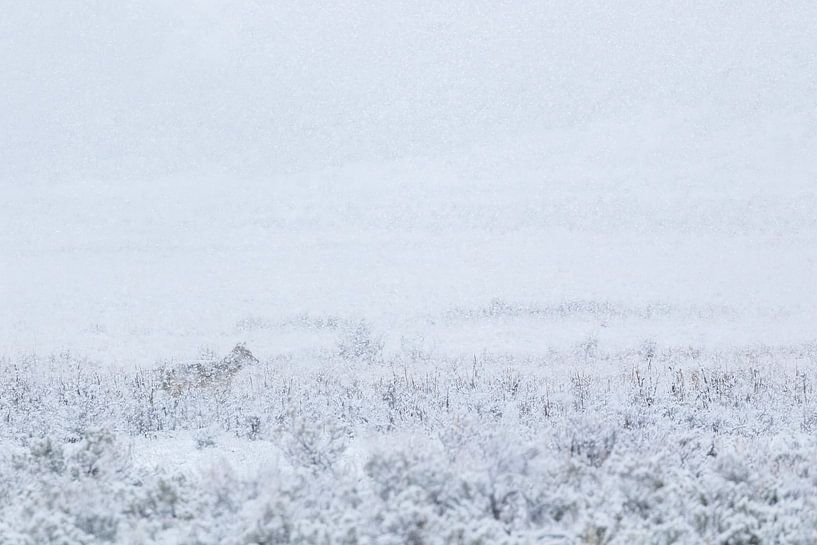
x,y
134,90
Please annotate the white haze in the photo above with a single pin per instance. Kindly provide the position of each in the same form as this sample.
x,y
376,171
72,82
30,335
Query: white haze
x,y
504,272
170,170
124,91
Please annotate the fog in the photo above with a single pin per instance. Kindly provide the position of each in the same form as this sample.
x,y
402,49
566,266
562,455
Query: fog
x,y
129,91
408,272
173,170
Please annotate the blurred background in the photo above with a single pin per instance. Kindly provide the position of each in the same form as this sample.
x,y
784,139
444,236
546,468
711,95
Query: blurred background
x,y
173,170
136,89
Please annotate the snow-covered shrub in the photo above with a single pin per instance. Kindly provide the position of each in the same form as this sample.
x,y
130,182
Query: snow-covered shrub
x,y
360,344
206,437
476,450
314,444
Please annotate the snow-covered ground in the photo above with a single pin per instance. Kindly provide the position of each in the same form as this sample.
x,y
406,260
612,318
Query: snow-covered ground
x,y
529,273
667,237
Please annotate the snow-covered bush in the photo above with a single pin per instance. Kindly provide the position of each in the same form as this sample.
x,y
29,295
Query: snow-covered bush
x,y
360,344
655,445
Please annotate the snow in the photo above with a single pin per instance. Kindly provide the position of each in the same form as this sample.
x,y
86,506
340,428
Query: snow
x,y
558,254
137,273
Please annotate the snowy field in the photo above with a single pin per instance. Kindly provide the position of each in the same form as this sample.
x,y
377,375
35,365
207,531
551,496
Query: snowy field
x,y
518,274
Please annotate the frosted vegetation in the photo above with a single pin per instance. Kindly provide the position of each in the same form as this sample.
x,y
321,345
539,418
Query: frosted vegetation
x,y
653,444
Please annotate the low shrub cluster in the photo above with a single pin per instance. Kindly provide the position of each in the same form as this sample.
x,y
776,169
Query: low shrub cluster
x,y
645,446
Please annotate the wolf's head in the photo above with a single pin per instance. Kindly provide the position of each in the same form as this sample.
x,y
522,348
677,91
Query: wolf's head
x,y
238,358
